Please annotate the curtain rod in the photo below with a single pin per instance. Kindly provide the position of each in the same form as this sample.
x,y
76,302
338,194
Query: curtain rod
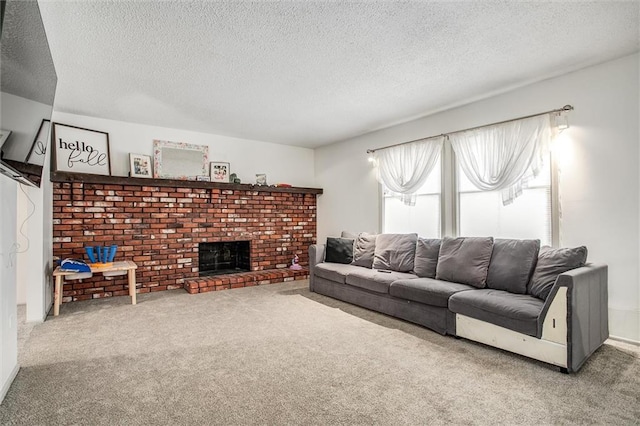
x,y
563,109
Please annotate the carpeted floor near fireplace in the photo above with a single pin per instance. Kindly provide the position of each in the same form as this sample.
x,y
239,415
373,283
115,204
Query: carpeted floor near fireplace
x,y
279,354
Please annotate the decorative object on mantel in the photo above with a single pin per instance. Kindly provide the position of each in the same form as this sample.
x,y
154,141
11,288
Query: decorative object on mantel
x,y
80,150
38,150
233,178
140,165
295,266
219,172
203,178
179,160
261,179
283,185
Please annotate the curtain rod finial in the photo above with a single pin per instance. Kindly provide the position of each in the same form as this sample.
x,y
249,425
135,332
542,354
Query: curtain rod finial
x,y
567,108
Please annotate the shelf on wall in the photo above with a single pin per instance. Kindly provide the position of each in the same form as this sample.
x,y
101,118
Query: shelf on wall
x,y
173,183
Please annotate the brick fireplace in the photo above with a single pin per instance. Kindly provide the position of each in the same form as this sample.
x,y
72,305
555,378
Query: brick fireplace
x,y
159,224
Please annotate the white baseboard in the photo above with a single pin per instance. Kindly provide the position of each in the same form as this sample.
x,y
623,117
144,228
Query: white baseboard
x,y
7,384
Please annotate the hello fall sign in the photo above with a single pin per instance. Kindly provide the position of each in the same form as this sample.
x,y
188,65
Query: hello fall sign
x,y
80,150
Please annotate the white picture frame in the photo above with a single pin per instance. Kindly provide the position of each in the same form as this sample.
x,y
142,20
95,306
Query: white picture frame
x,y
80,150
179,160
140,165
219,171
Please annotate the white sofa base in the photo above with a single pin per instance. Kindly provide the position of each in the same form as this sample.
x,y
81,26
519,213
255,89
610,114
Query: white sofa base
x,y
551,348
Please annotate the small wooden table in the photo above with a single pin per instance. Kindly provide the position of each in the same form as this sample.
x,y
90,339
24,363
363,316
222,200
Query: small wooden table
x,y
125,265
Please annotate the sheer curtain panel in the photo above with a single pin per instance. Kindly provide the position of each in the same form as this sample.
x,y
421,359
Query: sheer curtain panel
x,y
403,169
503,156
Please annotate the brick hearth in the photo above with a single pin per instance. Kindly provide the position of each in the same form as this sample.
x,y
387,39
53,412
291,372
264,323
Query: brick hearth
x,y
159,228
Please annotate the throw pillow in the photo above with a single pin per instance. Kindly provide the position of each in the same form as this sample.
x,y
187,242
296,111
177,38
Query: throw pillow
x,y
347,234
427,251
364,250
512,263
465,260
339,250
551,263
395,252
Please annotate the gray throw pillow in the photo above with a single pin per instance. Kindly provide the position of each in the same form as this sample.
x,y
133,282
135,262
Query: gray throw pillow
x,y
395,252
427,251
364,249
512,263
551,263
347,234
465,260
338,250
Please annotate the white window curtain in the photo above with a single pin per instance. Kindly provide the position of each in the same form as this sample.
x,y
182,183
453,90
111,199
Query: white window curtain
x,y
504,156
403,169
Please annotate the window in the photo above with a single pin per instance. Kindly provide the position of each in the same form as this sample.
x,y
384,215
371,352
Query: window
x,y
477,213
481,213
423,218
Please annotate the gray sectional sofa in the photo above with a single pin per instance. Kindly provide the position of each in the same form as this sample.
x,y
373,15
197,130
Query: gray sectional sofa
x,y
547,304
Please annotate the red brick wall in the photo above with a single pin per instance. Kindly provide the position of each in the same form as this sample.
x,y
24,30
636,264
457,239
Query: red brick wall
x,y
159,228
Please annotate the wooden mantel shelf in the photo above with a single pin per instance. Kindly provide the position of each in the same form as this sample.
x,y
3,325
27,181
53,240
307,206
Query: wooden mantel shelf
x,y
173,183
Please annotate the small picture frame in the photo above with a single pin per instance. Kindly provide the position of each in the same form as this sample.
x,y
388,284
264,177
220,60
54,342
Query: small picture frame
x,y
80,150
203,178
219,172
140,165
261,179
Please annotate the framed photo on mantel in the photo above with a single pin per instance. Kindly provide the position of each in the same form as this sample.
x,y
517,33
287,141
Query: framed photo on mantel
x,y
80,150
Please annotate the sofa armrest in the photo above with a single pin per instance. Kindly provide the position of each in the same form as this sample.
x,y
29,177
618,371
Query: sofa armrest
x,y
587,319
316,255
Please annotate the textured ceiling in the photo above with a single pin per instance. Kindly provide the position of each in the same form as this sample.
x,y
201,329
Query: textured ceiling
x,y
311,73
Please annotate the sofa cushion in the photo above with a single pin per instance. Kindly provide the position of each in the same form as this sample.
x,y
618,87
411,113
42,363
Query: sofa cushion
x,y
374,280
427,251
426,290
348,234
364,249
512,263
339,250
517,312
551,263
334,271
395,252
465,260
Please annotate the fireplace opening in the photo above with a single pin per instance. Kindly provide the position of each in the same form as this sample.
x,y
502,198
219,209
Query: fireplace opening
x,y
226,257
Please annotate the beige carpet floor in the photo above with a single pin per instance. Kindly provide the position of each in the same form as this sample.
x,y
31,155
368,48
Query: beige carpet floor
x,y
278,354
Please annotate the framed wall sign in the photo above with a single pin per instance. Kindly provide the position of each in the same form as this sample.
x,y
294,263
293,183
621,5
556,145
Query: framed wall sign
x,y
179,160
80,150
140,165
219,172
38,150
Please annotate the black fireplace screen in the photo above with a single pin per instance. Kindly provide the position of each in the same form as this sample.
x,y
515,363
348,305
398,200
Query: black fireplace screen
x,y
227,257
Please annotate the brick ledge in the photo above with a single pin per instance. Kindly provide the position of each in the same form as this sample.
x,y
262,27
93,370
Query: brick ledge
x,y
243,279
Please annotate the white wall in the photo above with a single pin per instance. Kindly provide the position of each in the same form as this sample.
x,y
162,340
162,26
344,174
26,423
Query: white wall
x,y
600,182
23,117
8,306
281,163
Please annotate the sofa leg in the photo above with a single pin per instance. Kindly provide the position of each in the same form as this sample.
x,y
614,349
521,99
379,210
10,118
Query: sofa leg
x,y
564,370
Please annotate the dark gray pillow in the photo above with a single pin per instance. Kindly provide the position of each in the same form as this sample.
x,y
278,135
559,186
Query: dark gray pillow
x,y
427,251
364,249
395,252
338,250
465,260
512,263
551,263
